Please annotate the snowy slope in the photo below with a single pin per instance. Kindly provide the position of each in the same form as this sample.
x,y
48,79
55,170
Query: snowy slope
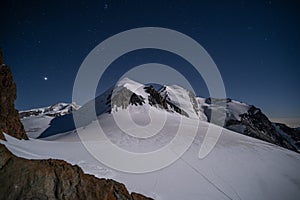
x,y
239,167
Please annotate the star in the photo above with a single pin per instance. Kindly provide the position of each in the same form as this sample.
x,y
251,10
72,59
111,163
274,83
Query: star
x,y
45,78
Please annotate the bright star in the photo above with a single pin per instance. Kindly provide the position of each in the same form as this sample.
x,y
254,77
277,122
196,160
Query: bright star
x,y
45,78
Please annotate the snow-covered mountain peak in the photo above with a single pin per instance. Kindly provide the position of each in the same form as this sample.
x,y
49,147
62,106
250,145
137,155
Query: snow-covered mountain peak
x,y
170,98
131,86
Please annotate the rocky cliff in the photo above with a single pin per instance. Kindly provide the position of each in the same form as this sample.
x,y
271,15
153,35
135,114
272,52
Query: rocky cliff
x,y
9,117
54,179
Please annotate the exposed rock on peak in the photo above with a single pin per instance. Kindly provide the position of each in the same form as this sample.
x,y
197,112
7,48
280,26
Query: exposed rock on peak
x,y
125,97
258,126
9,117
155,98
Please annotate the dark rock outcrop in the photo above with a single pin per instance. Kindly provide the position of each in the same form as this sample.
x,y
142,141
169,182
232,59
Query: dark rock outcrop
x,y
9,117
155,99
54,179
123,98
254,123
259,126
292,134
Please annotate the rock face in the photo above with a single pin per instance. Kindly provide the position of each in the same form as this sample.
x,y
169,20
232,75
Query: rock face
x,y
123,98
155,98
9,117
54,179
257,125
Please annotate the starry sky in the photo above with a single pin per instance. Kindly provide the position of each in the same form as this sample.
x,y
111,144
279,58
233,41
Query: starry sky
x,y
255,45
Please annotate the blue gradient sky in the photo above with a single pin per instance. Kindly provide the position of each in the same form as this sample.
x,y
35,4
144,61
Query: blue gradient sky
x,y
255,45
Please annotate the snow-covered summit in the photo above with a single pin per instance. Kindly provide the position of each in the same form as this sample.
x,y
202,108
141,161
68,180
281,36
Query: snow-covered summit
x,y
129,84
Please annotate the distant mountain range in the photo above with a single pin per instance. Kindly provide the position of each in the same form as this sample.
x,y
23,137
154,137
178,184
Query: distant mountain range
x,y
240,117
55,110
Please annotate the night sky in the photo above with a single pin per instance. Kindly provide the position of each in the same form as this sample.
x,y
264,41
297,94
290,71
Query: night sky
x,y
255,45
